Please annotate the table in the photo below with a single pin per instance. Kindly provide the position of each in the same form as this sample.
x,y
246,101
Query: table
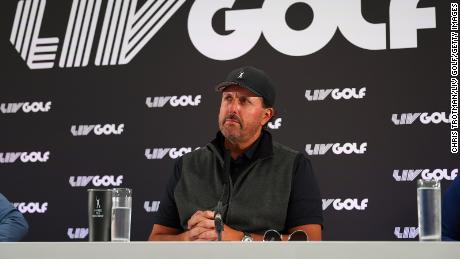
x,y
230,250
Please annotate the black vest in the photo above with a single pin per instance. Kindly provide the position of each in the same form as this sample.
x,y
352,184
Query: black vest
x,y
259,198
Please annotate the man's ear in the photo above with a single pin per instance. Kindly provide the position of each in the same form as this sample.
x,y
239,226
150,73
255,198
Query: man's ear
x,y
267,115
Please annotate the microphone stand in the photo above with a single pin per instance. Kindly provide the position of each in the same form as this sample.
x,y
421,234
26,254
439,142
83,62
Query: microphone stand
x,y
218,221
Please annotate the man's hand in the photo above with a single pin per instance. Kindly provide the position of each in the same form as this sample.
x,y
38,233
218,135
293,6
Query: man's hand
x,y
200,226
201,219
228,234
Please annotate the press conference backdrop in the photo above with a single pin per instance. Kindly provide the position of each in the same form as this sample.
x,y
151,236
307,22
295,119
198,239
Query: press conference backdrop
x,y
108,93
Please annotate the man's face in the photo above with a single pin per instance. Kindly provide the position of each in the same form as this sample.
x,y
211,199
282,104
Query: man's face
x,y
241,114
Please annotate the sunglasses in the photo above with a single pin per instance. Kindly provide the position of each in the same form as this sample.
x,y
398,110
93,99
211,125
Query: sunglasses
x,y
273,235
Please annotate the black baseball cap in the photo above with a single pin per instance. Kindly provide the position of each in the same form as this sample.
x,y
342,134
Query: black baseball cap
x,y
253,79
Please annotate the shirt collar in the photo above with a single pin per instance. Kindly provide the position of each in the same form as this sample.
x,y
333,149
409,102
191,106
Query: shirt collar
x,y
261,148
249,153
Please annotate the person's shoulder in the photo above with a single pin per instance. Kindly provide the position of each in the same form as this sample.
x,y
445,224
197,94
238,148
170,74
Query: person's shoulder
x,y
283,148
4,201
6,207
454,187
457,181
299,156
197,152
199,155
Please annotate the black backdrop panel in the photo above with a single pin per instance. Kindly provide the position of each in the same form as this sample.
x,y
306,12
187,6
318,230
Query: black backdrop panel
x,y
79,110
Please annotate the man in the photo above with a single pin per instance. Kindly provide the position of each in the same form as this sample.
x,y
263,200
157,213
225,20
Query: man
x,y
262,184
13,226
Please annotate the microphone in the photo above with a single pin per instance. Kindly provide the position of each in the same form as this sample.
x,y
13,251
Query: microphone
x,y
218,222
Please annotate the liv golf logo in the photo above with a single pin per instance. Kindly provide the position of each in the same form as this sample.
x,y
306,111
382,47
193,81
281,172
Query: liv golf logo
x,y
126,29
406,232
96,181
337,148
425,118
345,204
408,175
107,129
26,107
24,157
275,124
336,94
151,206
247,26
77,233
174,101
31,207
160,153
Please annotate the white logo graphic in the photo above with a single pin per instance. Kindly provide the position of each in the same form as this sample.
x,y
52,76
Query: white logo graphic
x,y
337,148
160,153
24,157
107,129
408,232
405,19
31,207
26,107
337,94
77,233
241,74
151,206
126,29
174,101
97,181
276,124
425,118
347,204
408,175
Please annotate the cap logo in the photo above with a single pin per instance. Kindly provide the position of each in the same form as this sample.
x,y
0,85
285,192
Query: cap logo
x,y
241,74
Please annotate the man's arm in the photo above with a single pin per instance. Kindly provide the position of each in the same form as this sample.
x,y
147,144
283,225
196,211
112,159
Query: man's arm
x,y
163,233
313,232
305,205
166,221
